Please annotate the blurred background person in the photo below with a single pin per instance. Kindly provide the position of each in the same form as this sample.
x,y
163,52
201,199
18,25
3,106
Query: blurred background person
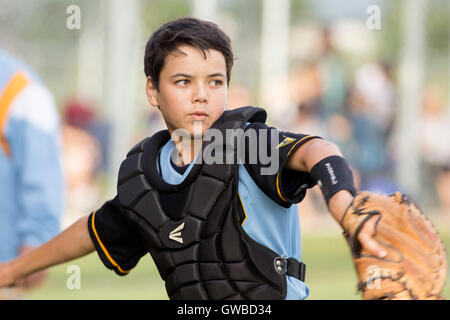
x,y
370,112
435,148
82,136
307,90
333,76
31,178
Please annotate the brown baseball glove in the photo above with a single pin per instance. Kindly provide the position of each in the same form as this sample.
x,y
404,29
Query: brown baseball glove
x,y
416,264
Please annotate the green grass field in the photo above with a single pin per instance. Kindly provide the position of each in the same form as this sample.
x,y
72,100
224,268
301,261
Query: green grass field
x,y
330,275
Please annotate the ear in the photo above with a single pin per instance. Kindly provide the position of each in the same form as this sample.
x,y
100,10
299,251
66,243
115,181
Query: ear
x,y
152,92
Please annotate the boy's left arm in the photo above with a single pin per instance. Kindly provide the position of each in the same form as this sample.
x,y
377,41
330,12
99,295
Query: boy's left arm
x,y
312,157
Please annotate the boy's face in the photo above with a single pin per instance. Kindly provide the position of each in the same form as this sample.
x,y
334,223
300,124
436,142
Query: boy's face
x,y
191,89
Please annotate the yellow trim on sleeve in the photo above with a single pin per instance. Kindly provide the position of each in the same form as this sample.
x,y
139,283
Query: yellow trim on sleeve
x,y
297,143
278,188
278,174
243,208
114,263
18,81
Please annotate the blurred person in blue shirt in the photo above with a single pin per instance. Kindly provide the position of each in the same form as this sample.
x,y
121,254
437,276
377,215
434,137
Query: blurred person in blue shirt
x,y
31,187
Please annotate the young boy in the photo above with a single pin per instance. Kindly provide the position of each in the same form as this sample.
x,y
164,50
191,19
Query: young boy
x,y
215,229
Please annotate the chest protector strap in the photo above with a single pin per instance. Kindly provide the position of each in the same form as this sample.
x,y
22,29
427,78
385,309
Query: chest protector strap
x,y
192,229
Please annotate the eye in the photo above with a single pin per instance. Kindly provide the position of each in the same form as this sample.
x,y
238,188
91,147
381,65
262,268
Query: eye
x,y
216,83
182,83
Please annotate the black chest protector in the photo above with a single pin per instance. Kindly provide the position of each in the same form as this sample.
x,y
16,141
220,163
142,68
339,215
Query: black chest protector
x,y
192,229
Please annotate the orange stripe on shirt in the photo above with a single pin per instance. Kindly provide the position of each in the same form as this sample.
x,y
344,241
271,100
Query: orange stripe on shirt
x,y
18,81
113,262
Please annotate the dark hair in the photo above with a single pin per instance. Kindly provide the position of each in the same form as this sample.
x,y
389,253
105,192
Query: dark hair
x,y
191,31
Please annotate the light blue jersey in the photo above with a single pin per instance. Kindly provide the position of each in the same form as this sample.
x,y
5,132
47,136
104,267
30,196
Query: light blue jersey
x,y
268,223
31,179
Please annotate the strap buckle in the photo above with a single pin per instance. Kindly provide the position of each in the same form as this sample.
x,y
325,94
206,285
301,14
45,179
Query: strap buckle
x,y
291,267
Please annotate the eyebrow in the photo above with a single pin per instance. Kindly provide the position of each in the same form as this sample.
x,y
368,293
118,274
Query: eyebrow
x,y
185,75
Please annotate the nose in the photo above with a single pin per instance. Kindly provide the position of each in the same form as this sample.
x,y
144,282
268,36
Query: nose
x,y
200,94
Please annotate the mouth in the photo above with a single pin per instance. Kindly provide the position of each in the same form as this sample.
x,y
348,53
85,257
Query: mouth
x,y
198,115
